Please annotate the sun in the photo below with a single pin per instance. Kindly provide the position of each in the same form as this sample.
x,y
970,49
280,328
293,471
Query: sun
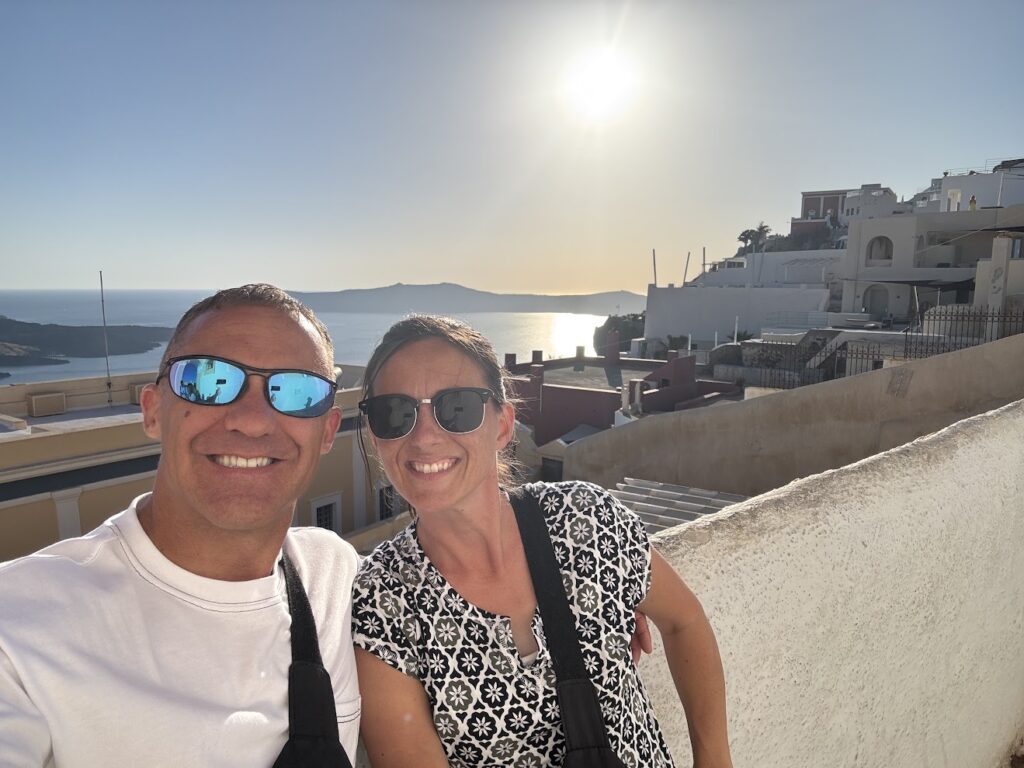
x,y
598,85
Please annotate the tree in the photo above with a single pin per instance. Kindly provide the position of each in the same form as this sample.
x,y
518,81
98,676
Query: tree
x,y
761,233
746,237
755,238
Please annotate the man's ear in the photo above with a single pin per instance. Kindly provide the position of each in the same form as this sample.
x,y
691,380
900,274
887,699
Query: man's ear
x,y
330,429
149,399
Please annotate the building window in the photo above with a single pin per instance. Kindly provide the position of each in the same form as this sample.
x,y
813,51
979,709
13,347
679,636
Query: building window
x,y
325,512
324,516
550,470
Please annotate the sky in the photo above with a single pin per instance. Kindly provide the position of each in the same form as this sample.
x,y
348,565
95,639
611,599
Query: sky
x,y
506,145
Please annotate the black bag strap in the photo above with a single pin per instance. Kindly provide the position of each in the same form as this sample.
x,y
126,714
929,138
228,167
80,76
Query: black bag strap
x,y
581,713
305,646
312,716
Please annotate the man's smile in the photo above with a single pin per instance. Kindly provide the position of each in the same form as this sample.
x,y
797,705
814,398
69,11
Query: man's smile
x,y
241,462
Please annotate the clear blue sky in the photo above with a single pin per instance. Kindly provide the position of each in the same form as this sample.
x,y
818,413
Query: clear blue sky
x,y
329,145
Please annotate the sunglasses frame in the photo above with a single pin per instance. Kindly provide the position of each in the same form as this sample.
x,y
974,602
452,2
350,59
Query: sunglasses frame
x,y
248,370
485,395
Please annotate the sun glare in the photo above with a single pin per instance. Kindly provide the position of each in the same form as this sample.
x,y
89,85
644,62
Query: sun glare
x,y
598,85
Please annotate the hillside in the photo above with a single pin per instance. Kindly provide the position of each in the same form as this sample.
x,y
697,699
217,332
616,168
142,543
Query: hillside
x,y
452,298
24,343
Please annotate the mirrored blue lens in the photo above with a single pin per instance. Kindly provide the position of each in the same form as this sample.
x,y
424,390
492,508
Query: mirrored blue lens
x,y
299,394
206,380
211,381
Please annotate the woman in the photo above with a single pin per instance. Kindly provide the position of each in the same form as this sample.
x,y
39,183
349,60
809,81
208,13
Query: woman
x,y
453,666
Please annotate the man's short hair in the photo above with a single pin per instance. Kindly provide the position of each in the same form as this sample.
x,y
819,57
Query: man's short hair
x,y
251,295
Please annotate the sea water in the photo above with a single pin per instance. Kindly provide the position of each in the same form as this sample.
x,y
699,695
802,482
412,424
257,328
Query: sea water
x,y
355,334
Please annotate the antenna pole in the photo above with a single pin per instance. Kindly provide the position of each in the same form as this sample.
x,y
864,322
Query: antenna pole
x,y
106,346
686,269
703,259
654,259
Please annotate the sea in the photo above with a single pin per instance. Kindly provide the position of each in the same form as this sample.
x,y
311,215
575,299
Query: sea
x,y
556,334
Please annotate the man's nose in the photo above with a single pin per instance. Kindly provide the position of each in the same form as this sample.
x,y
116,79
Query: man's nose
x,y
251,413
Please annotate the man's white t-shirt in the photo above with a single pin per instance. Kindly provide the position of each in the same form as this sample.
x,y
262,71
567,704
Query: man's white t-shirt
x,y
110,654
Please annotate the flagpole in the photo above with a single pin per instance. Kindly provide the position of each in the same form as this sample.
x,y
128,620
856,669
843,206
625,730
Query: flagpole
x,y
106,347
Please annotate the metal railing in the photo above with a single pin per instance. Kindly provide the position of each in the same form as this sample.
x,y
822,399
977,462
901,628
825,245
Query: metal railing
x,y
782,365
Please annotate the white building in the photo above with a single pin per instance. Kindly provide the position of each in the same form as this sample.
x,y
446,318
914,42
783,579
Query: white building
x,y
901,265
1000,187
871,201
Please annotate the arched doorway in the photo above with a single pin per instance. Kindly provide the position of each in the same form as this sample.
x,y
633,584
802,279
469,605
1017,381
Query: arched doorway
x,y
876,301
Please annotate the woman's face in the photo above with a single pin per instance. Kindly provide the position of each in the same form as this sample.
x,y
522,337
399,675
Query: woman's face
x,y
435,470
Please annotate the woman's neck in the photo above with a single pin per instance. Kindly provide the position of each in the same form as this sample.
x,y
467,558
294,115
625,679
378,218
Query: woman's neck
x,y
470,539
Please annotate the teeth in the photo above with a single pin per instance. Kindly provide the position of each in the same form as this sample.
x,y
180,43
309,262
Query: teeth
x,y
430,469
240,462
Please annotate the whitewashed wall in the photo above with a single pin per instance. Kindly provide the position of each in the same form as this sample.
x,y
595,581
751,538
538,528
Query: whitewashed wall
x,y
871,615
704,311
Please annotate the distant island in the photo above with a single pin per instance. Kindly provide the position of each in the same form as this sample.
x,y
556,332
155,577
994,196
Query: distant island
x,y
443,298
24,343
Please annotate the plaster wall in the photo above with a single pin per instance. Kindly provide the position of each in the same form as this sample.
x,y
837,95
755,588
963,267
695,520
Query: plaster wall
x,y
770,268
102,500
75,440
80,393
564,408
1014,280
989,189
869,203
871,615
754,446
701,312
26,526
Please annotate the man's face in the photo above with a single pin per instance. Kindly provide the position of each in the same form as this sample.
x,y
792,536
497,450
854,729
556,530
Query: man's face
x,y
200,480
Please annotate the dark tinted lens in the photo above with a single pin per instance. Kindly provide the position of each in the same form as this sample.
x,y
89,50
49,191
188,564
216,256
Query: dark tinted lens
x,y
459,410
391,416
206,380
299,394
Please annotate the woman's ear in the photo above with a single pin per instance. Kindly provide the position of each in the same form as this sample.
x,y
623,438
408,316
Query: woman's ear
x,y
506,425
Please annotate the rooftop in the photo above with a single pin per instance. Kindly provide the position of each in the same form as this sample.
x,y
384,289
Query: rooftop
x,y
593,376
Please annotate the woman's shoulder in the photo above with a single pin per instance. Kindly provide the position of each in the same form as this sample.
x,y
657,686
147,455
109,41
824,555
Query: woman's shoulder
x,y
390,557
571,496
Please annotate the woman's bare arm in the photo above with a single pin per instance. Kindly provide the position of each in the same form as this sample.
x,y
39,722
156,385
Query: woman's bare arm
x,y
693,659
396,725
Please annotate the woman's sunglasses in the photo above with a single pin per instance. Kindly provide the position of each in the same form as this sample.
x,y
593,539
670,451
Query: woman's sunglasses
x,y
206,380
459,410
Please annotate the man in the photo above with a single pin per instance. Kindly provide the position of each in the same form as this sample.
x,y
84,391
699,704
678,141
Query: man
x,y
164,637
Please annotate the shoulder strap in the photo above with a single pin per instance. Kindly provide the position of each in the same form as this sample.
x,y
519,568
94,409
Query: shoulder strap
x,y
305,646
559,627
581,713
312,716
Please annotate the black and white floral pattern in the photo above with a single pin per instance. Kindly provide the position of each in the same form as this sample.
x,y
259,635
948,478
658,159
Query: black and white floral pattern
x,y
488,707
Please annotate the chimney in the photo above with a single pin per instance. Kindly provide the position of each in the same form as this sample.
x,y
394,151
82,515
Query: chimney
x,y
510,361
538,356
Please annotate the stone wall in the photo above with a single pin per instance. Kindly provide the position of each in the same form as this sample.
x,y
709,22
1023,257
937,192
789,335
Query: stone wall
x,y
871,615
754,446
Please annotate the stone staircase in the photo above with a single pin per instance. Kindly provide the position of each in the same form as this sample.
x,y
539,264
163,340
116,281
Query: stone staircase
x,y
663,505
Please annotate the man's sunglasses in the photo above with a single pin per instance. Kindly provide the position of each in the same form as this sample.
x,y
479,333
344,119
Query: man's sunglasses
x,y
206,380
459,411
